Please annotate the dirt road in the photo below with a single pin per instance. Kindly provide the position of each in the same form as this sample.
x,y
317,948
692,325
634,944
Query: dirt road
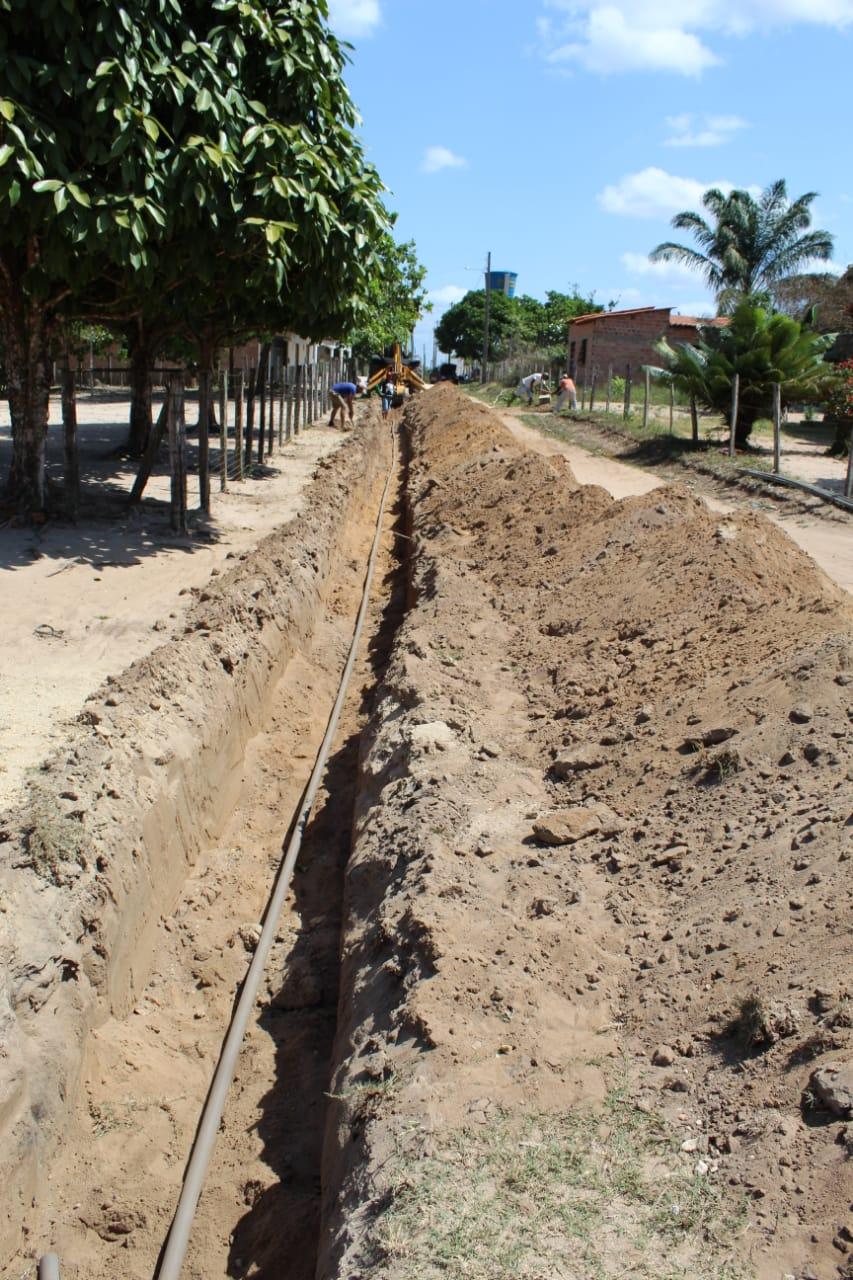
x,y
83,600
828,542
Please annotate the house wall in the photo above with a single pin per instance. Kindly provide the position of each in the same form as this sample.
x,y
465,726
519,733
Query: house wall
x,y
621,340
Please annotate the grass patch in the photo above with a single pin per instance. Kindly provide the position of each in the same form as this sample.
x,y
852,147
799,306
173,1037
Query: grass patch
x,y
54,843
600,1193
650,446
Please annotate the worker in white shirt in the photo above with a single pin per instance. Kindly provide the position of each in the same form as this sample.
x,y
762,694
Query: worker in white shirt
x,y
529,386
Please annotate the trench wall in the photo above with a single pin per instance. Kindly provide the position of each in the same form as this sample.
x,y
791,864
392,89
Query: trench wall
x,y
114,820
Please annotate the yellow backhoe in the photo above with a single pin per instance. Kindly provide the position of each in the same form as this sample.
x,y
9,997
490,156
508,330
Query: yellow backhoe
x,y
392,369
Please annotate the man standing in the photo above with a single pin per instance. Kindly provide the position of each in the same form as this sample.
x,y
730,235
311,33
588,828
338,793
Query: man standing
x,y
567,394
528,386
386,392
342,396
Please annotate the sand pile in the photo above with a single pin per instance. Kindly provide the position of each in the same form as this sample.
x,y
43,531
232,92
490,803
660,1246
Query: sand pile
x,y
602,862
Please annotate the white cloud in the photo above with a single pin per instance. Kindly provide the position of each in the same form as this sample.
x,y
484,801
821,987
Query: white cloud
x,y
438,158
446,295
608,36
654,193
610,40
353,18
637,264
705,131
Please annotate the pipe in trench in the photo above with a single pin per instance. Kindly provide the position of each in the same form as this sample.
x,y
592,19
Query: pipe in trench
x,y
173,1255
179,1235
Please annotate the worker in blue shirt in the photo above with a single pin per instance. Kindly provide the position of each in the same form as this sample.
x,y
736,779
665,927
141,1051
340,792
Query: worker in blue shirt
x,y
343,395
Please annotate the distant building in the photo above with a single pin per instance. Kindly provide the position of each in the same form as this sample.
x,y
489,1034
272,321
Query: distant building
x,y
503,282
616,339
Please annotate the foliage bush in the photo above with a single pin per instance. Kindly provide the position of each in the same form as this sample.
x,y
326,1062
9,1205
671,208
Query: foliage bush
x,y
763,349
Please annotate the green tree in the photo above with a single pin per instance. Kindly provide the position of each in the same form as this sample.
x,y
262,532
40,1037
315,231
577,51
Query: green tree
x,y
747,245
559,310
394,301
763,349
173,167
515,324
461,328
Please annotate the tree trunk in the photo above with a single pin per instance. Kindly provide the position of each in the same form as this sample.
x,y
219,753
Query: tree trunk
x,y
72,456
26,332
140,399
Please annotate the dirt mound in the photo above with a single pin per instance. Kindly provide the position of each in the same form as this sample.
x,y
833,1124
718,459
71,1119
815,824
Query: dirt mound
x,y
597,902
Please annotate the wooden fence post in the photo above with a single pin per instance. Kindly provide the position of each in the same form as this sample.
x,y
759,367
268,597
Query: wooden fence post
x,y
648,391
250,414
626,405
204,440
848,483
777,428
281,390
735,397
607,394
239,405
288,404
592,390
694,420
671,406
261,393
223,432
72,457
177,454
297,399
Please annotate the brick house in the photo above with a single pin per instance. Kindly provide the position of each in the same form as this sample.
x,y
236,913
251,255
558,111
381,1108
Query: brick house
x,y
616,339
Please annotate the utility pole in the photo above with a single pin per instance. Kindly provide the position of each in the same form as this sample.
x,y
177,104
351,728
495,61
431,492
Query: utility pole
x,y
483,373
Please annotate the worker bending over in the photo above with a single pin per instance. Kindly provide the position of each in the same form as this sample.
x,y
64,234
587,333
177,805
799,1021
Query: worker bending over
x,y
567,394
529,386
342,396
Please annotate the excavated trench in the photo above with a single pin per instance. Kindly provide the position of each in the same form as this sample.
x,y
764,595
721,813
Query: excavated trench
x,y
560,832
142,1036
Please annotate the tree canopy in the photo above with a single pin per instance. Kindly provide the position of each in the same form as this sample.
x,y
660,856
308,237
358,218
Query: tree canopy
x,y
192,163
394,301
515,324
748,244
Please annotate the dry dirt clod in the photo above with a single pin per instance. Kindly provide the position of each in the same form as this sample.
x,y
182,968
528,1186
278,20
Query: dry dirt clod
x,y
832,1086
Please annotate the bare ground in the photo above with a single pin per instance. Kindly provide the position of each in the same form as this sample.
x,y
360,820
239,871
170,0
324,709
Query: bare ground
x,y
596,942
596,827
84,599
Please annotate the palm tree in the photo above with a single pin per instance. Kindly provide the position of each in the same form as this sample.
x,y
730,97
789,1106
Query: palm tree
x,y
763,349
748,245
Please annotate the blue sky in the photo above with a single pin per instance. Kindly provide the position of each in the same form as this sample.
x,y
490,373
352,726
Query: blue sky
x,y
563,135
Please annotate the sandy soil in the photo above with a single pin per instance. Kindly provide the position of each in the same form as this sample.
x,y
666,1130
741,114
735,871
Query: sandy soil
x,y
146,1068
84,601
597,959
595,826
828,541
